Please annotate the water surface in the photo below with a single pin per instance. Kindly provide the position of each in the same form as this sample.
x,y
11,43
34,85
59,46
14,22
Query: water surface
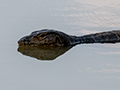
x,y
86,67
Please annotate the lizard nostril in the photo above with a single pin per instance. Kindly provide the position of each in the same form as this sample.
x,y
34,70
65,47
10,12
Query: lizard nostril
x,y
23,41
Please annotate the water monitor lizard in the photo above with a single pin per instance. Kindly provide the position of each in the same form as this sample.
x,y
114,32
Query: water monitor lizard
x,y
48,37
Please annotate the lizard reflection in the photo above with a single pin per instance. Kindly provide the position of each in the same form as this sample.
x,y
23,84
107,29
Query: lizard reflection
x,y
43,53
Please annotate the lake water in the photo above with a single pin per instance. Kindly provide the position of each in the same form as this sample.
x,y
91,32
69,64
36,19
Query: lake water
x,y
83,67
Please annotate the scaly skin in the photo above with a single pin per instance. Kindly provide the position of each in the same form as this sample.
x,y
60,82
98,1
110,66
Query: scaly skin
x,y
47,37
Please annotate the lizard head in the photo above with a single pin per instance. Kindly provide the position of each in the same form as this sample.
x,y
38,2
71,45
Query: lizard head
x,y
45,37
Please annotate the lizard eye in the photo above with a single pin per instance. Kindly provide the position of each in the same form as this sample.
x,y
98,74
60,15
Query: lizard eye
x,y
42,35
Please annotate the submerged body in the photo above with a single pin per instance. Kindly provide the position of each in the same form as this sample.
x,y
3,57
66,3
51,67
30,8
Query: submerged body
x,y
48,37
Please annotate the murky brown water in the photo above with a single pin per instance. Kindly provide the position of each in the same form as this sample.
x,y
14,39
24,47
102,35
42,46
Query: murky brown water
x,y
86,67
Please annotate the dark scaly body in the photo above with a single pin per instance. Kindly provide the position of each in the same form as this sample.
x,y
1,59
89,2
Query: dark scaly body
x,y
47,37
103,37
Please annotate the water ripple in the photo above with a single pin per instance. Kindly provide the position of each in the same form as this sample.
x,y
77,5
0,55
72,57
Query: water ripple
x,y
97,13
